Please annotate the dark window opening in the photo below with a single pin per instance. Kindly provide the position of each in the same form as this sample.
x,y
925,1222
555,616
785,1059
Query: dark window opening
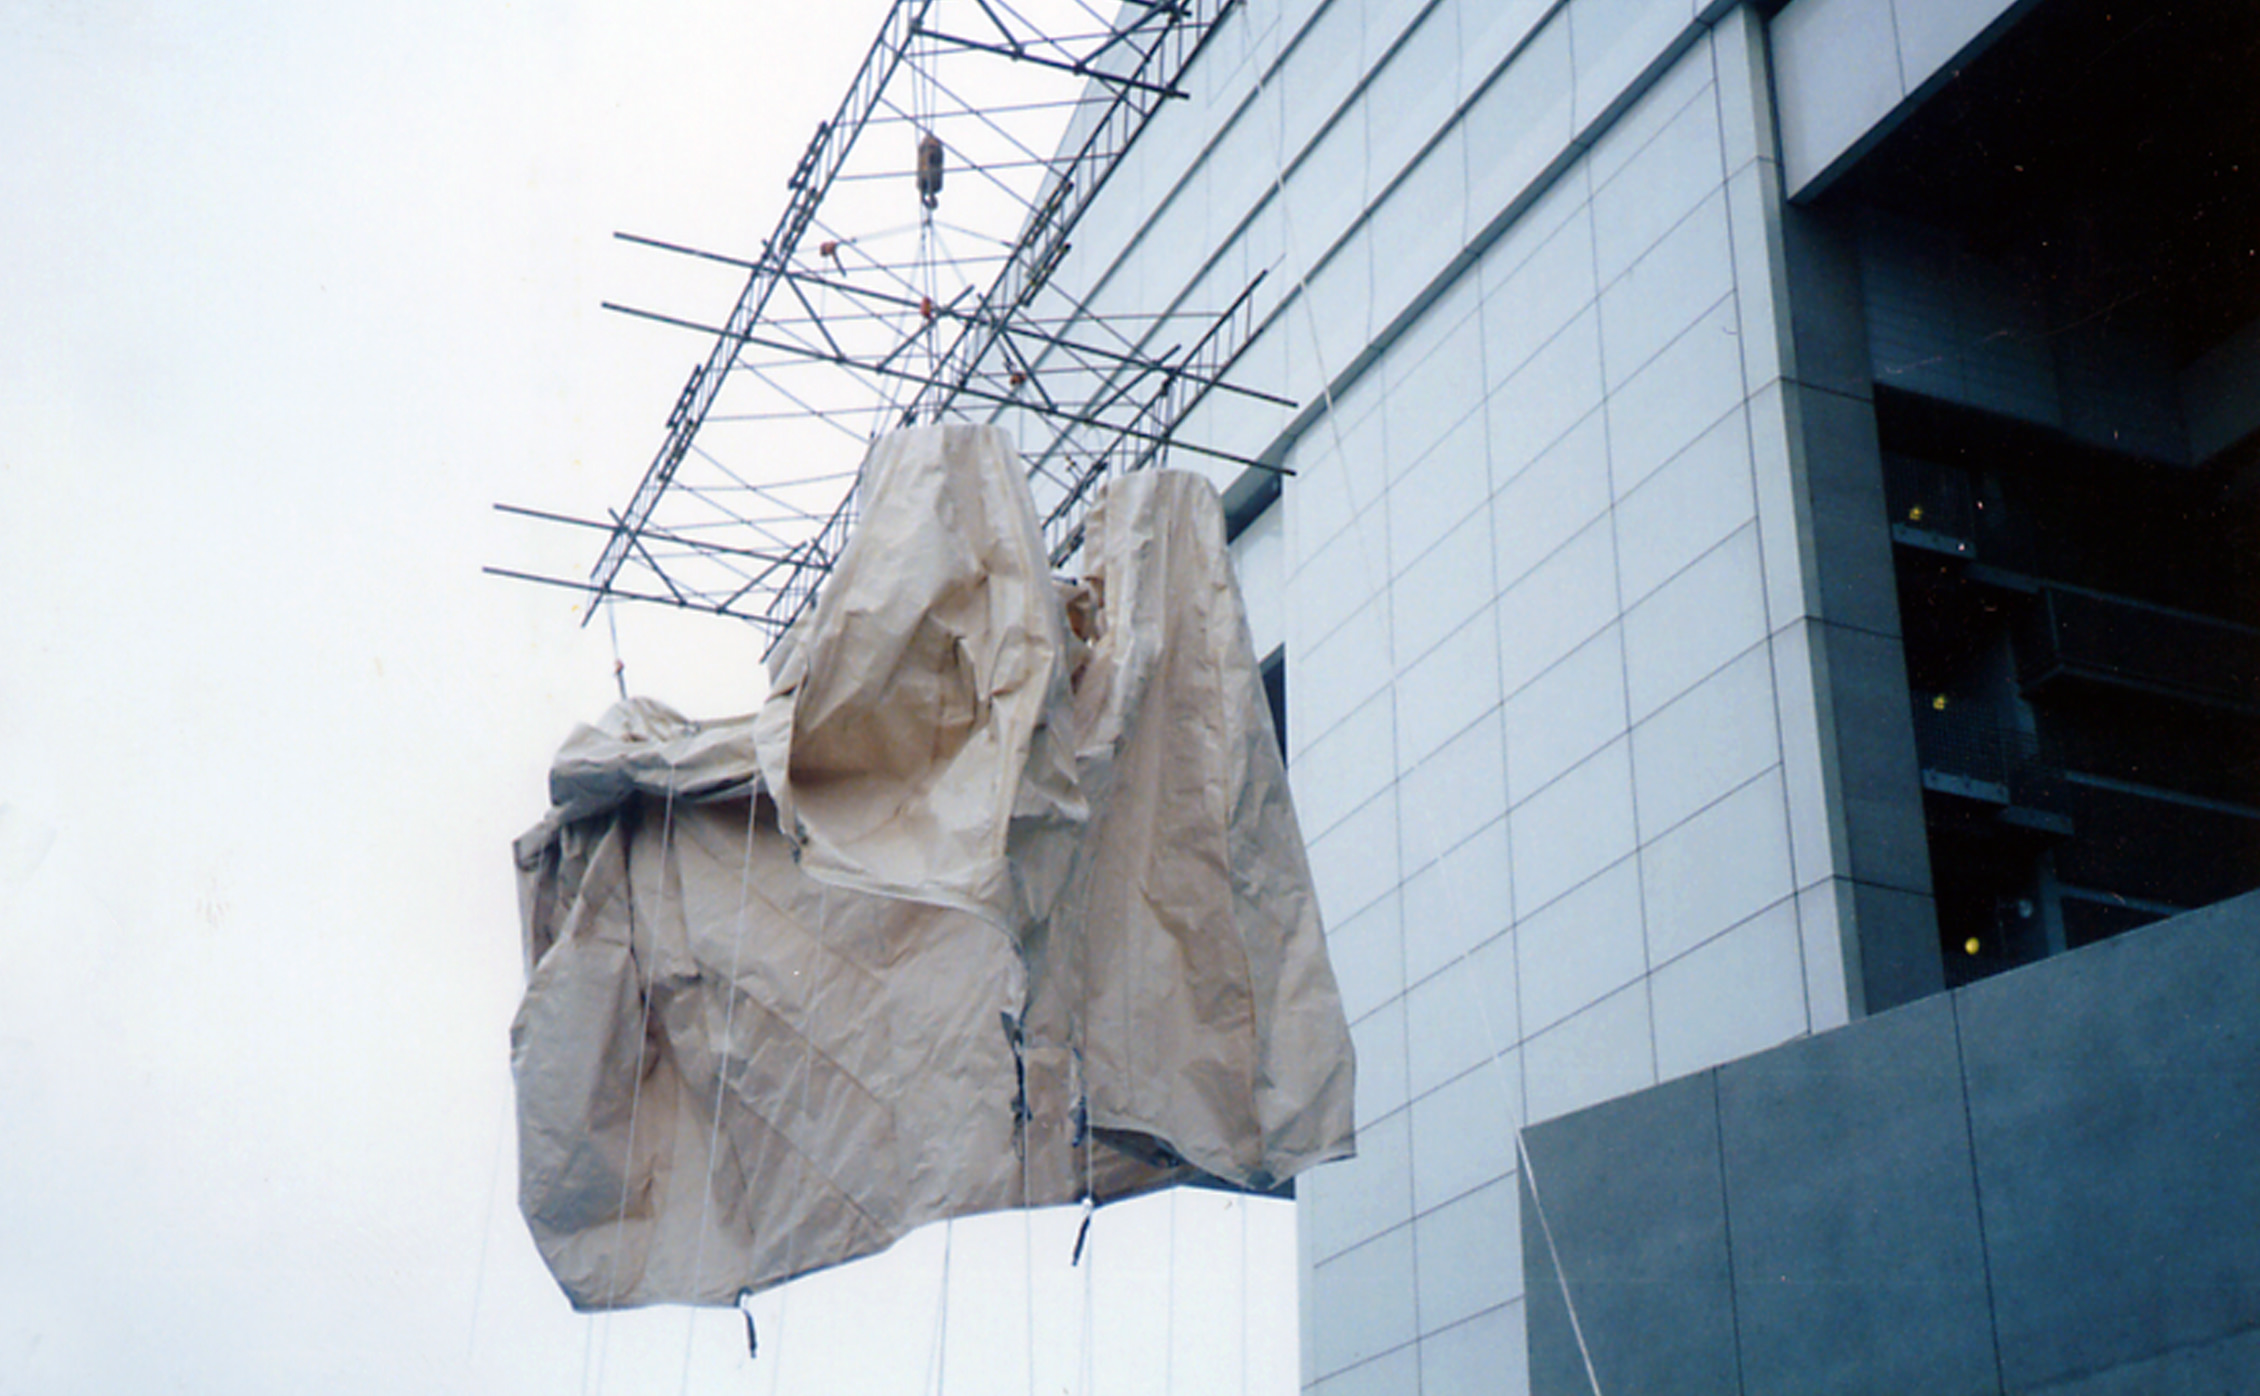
x,y
1274,670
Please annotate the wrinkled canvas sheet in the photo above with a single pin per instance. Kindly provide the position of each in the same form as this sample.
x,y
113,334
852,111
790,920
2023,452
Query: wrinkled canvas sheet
x,y
730,1073
735,1066
1189,936
913,733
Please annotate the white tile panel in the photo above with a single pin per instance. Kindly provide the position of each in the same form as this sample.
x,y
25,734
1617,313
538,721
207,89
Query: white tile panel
x,y
1411,353
1783,525
1559,605
1686,508
1444,1029
1326,191
1355,863
1527,307
1333,314
1933,33
1385,24
1259,563
1429,396
1175,243
1535,222
1243,164
1547,395
1817,841
1442,587
1342,574
1345,768
1458,902
1390,1374
1379,1040
1650,112
1486,1353
1443,801
1420,227
1573,828
1760,277
1519,124
1468,1251
1599,1054
1463,1132
1565,715
1694,623
1367,1295
1449,486
1491,968
1667,289
1320,70
1741,993
1367,952
1490,30
1294,16
1341,467
1836,74
1745,97
1614,40
1693,382
1583,947
1355,1200
1657,186
1338,675
1264,236
1820,924
1711,739
1726,864
1441,693
1414,93
1550,500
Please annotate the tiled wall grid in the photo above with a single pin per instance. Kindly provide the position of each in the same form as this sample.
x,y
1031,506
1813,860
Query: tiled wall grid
x,y
1538,575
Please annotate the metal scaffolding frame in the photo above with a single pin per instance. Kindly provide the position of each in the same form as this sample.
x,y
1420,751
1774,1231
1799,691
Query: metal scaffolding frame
x,y
990,125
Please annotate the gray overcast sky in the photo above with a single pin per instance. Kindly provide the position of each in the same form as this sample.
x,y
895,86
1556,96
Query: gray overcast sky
x,y
289,295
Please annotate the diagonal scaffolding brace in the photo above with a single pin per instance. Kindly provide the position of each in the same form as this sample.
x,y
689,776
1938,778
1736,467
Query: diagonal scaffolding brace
x,y
898,334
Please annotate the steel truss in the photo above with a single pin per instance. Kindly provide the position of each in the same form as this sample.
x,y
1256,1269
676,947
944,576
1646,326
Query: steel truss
x,y
860,312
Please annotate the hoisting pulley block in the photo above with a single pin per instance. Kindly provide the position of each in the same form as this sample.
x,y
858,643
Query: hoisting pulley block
x,y
930,169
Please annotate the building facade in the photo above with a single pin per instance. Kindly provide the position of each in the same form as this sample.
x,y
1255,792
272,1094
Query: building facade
x,y
1768,540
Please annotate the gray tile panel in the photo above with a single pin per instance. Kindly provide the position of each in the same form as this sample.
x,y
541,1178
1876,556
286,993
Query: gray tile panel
x,y
1877,778
1854,1213
2220,1368
1556,1367
2040,1183
2115,1105
1897,933
1652,1301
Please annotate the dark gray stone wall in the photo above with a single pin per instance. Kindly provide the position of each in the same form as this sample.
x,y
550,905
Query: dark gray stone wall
x,y
1860,667
2046,1182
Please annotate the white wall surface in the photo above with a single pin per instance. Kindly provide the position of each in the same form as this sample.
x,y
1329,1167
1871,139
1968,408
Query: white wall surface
x,y
1845,70
1551,698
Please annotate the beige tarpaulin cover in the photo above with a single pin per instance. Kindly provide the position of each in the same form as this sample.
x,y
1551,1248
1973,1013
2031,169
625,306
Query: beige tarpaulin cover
x,y
734,1067
1190,933
912,734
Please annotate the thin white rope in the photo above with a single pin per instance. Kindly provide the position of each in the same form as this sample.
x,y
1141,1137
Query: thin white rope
x,y
619,665
1169,1307
1454,888
937,1362
486,1228
1086,1357
1028,1278
800,1108
721,1079
635,1088
1553,1253
1240,1204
